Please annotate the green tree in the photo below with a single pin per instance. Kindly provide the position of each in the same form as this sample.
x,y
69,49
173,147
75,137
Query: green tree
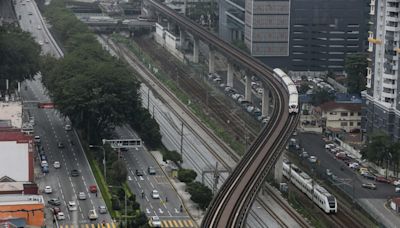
x,y
19,54
119,172
200,194
356,69
186,175
321,96
172,156
377,149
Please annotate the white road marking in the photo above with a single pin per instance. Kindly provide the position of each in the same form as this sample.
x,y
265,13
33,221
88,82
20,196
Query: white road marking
x,y
151,184
142,179
139,185
176,211
169,213
147,210
160,210
129,178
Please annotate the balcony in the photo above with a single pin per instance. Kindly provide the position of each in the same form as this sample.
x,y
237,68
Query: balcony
x,y
389,86
390,76
392,9
389,95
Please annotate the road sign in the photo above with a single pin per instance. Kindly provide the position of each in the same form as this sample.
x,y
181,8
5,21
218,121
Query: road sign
x,y
123,143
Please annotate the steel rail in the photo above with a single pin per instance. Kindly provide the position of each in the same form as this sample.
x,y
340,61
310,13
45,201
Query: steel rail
x,y
231,204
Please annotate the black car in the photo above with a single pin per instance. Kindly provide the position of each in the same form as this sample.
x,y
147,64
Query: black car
x,y
60,145
74,173
54,201
139,172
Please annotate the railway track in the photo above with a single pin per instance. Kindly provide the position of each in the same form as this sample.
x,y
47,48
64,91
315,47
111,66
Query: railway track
x,y
218,156
199,93
229,208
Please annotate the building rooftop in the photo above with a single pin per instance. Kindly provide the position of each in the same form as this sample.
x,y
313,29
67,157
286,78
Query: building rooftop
x,y
11,111
14,199
12,186
12,134
354,107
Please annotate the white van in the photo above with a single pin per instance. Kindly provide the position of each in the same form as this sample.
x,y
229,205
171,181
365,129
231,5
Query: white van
x,y
37,139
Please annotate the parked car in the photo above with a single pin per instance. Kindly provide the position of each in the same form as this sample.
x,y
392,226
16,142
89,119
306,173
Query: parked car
x,y
60,145
382,180
56,210
328,172
368,175
369,186
312,159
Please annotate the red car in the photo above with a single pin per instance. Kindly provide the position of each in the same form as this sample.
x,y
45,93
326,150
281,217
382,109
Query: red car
x,y
93,188
56,210
383,180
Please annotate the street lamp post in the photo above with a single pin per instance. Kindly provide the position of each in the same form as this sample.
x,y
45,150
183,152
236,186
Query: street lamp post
x,y
104,160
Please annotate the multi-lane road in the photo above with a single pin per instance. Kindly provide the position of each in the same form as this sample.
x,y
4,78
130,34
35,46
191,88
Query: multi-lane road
x,y
49,125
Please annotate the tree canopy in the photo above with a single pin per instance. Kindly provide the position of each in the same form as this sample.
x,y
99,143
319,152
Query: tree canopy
x,y
382,151
200,194
356,69
321,96
19,54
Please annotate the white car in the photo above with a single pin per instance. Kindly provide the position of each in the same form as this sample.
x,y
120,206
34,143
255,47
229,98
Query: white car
x,y
155,221
41,43
82,196
68,127
312,159
44,163
39,27
48,189
72,206
57,165
155,194
60,216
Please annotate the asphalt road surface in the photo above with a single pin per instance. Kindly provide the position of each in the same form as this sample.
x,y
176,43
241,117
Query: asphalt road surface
x,y
49,125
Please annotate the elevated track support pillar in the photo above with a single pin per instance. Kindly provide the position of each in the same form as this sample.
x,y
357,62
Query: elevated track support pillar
x,y
265,102
169,26
229,78
196,44
278,169
211,60
247,92
182,38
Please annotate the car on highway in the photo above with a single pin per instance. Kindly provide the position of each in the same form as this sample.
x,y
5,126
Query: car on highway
x,y
60,216
45,169
102,209
41,43
328,172
48,189
74,173
155,194
56,210
155,221
68,127
46,41
369,186
92,215
139,172
93,188
57,165
151,170
54,202
39,27
60,145
30,13
82,196
72,206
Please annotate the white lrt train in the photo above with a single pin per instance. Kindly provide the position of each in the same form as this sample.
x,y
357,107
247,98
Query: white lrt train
x,y
318,194
291,89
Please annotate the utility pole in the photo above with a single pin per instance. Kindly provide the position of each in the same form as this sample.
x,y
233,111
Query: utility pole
x,y
216,179
181,149
148,98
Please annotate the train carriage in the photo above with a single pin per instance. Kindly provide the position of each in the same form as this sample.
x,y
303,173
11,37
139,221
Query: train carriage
x,y
290,88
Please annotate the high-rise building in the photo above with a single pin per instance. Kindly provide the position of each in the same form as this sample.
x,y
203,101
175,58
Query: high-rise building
x,y
382,105
297,35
